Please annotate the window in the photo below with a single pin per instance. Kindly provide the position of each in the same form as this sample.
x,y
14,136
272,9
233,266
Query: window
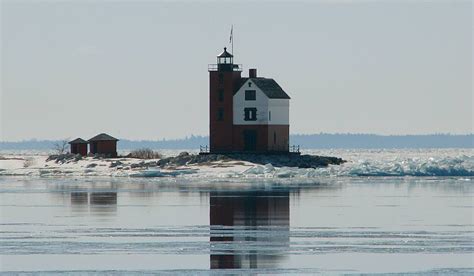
x,y
250,84
269,115
250,114
221,95
250,95
224,60
220,114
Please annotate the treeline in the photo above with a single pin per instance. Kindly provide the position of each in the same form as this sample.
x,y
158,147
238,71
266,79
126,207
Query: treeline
x,y
185,143
368,141
306,141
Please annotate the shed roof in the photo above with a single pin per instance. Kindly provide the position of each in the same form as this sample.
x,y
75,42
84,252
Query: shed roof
x,y
268,86
78,141
103,137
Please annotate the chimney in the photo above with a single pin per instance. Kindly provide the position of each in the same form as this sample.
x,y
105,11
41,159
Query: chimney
x,y
252,73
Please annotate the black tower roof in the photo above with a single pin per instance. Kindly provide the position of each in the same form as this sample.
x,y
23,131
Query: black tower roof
x,y
225,54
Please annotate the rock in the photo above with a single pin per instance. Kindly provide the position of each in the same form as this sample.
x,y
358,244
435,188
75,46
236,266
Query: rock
x,y
276,160
184,153
62,158
138,165
91,165
97,156
151,164
114,164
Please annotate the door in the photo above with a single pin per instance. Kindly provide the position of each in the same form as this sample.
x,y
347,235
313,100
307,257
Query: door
x,y
250,140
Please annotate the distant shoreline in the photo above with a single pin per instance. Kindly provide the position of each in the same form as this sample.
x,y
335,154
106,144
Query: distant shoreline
x,y
305,141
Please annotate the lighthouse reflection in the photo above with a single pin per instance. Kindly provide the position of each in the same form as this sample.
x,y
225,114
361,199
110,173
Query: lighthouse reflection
x,y
99,203
248,229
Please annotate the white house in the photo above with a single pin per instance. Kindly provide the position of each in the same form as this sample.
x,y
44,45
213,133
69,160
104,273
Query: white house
x,y
269,105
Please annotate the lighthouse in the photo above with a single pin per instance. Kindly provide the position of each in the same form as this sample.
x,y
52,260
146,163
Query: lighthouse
x,y
246,114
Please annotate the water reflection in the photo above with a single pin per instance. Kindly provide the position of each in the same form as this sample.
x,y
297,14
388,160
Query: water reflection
x,y
248,229
103,198
79,198
99,202
146,227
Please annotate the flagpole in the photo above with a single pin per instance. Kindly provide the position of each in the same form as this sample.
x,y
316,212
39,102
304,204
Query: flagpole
x,y
232,39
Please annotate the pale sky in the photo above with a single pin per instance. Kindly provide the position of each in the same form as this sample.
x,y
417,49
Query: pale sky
x,y
138,69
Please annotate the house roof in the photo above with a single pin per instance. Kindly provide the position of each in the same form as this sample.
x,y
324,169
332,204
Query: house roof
x,y
102,137
268,86
78,141
225,54
241,82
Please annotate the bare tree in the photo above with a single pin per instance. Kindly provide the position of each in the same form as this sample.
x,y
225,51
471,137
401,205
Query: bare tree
x,y
145,153
29,161
60,147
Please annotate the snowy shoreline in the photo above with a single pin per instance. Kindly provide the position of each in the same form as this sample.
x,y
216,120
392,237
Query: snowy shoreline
x,y
38,165
366,163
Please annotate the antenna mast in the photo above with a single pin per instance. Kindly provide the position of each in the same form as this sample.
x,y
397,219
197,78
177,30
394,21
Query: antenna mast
x,y
232,38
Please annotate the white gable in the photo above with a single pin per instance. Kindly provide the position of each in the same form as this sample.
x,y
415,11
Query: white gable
x,y
269,111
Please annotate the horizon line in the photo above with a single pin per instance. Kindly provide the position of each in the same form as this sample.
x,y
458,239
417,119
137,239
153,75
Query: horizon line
x,y
187,137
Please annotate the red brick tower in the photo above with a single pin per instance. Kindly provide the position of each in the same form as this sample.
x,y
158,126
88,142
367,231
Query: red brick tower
x,y
224,77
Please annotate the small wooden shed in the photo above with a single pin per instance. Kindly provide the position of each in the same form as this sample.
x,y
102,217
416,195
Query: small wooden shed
x,y
103,144
79,146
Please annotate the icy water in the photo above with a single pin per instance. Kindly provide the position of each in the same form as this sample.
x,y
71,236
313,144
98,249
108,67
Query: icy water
x,y
135,226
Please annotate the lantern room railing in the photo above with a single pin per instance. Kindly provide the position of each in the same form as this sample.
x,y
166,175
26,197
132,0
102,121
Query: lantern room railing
x,y
295,149
215,67
204,149
290,149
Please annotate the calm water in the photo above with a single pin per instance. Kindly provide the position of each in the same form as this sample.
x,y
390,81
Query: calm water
x,y
352,225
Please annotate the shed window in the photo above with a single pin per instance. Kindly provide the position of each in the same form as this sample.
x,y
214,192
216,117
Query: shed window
x,y
274,137
269,115
250,114
250,95
220,114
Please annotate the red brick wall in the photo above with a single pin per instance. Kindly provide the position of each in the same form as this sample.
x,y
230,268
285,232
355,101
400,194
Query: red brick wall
x,y
262,136
265,137
79,149
105,147
282,137
74,148
82,149
220,132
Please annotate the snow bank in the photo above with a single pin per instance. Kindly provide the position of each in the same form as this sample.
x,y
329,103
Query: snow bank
x,y
434,162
